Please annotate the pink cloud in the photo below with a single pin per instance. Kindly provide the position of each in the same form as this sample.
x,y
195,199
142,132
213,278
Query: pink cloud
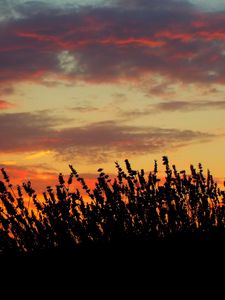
x,y
125,41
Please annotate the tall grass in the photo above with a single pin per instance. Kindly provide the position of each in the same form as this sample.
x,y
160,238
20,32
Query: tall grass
x,y
134,206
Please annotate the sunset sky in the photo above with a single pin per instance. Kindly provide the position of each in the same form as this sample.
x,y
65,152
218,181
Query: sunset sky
x,y
91,82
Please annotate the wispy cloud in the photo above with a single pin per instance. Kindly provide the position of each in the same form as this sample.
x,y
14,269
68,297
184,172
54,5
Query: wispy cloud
x,y
186,106
174,106
21,132
8,90
84,109
29,132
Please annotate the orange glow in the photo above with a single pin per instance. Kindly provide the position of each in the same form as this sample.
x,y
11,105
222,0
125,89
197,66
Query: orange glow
x,y
5,104
37,155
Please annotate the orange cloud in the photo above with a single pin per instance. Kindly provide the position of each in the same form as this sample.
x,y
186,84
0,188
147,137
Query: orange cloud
x,y
5,105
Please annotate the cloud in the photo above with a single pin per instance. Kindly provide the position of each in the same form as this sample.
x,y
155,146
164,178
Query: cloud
x,y
84,109
38,155
171,5
110,138
21,132
186,106
29,132
126,40
174,106
9,90
5,104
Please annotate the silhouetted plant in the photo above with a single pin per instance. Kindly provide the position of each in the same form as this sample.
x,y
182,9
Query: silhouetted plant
x,y
130,207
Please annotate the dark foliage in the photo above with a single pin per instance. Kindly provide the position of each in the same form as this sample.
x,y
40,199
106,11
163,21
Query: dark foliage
x,y
132,208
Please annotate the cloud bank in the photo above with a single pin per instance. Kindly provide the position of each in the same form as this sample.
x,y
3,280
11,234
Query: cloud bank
x,y
126,40
27,132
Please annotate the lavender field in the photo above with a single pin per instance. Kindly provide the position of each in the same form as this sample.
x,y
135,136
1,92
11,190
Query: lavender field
x,y
134,207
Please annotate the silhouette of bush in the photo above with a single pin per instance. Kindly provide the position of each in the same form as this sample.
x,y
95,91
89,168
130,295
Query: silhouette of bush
x,y
131,208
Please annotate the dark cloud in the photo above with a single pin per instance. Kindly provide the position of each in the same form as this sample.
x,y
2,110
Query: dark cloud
x,y
110,137
21,132
174,106
9,90
84,109
127,40
165,5
186,106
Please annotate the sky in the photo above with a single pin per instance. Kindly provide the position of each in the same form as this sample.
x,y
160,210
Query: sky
x,y
92,82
